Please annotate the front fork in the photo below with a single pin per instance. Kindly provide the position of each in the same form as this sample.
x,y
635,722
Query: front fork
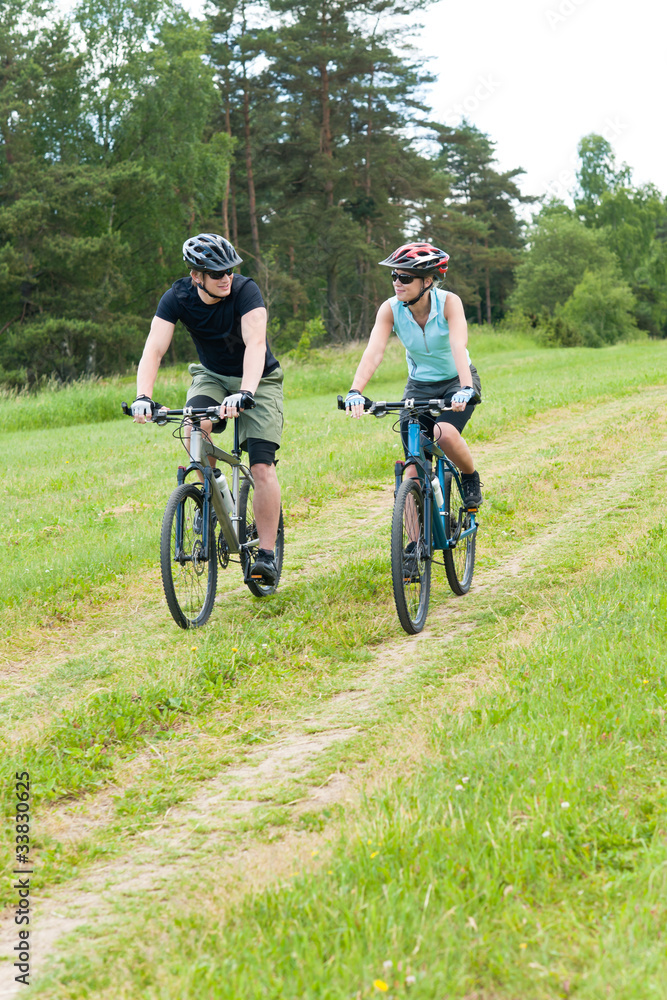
x,y
195,461
438,536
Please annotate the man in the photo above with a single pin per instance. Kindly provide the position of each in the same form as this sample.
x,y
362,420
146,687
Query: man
x,y
224,314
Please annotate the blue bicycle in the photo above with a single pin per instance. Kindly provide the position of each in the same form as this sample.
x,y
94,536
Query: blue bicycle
x,y
429,516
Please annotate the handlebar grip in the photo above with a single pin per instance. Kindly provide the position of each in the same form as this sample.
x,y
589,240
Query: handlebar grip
x,y
126,409
341,403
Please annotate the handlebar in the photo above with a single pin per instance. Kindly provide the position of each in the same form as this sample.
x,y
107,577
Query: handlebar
x,y
382,408
164,416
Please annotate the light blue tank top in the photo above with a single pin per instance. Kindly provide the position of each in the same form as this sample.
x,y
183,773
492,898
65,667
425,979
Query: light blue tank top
x,y
427,351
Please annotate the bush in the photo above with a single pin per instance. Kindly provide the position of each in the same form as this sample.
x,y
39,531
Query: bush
x,y
561,249
517,321
66,349
601,309
557,331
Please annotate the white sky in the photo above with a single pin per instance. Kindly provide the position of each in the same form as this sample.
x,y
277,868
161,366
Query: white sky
x,y
537,75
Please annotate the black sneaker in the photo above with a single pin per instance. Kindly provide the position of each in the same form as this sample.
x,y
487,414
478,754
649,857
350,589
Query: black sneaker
x,y
472,490
264,568
411,563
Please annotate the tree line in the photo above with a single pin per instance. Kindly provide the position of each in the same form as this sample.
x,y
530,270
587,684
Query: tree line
x,y
300,131
596,272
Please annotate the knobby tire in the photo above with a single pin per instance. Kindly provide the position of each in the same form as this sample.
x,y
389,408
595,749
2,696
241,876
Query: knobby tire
x,y
459,561
189,580
410,574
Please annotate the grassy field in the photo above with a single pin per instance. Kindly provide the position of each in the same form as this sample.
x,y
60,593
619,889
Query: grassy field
x,y
299,800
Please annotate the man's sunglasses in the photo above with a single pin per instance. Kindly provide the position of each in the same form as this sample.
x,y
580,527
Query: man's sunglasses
x,y
405,279
219,274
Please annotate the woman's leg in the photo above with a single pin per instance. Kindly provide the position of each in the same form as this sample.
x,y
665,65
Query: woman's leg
x,y
454,447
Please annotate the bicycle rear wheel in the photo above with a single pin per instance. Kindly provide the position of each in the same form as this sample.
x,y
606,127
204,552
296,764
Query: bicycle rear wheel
x,y
459,561
410,566
189,576
248,533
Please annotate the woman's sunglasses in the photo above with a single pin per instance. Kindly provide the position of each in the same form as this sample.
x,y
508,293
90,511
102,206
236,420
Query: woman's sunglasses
x,y
405,279
216,275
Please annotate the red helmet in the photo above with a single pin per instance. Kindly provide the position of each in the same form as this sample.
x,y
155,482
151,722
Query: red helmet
x,y
420,258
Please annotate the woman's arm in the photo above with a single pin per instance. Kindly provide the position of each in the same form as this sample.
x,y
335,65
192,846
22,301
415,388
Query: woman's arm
x,y
458,341
377,344
373,355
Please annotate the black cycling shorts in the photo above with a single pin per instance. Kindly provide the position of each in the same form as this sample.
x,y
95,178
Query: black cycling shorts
x,y
438,390
261,452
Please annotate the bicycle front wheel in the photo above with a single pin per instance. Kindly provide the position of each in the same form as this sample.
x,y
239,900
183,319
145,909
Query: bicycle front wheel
x,y
189,575
459,561
248,533
410,565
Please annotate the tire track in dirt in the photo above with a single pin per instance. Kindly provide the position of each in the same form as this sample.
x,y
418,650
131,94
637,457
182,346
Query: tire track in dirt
x,y
164,853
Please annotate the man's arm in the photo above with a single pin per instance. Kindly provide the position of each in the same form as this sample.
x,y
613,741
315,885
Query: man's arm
x,y
156,345
157,342
253,331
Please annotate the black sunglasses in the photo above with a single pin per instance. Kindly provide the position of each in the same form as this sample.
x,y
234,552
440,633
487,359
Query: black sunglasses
x,y
405,279
220,274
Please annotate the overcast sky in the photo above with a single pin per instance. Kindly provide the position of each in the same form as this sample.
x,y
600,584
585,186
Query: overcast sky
x,y
537,75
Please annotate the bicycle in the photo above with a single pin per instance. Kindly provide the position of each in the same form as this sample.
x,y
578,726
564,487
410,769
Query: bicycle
x,y
190,554
429,516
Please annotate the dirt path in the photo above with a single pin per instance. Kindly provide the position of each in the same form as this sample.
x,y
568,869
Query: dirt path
x,y
207,824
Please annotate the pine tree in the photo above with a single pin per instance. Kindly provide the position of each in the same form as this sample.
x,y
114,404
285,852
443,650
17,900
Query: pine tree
x,y
479,226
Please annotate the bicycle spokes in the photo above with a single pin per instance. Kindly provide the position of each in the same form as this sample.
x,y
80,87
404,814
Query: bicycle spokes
x,y
410,563
188,558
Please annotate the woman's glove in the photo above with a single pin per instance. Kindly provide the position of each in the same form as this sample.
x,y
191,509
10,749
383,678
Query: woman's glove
x,y
355,398
464,394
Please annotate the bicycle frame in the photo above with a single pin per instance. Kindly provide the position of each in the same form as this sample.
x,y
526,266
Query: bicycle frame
x,y
200,449
418,444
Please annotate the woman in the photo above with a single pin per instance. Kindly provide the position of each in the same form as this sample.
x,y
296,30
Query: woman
x,y
431,325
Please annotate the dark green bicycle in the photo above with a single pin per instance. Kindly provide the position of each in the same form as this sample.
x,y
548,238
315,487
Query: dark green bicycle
x,y
207,524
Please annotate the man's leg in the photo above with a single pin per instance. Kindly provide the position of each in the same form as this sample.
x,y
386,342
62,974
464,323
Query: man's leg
x,y
266,504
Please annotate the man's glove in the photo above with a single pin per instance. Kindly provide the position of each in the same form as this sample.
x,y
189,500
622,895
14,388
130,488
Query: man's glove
x,y
355,398
464,394
241,400
143,406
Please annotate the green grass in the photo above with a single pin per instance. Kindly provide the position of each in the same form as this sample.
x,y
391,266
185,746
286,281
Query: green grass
x,y
299,633
81,510
526,859
105,699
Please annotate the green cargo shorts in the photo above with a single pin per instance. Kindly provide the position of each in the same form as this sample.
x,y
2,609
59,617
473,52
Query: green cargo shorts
x,y
265,421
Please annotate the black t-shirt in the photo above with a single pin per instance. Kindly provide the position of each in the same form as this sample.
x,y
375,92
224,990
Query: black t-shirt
x,y
216,329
